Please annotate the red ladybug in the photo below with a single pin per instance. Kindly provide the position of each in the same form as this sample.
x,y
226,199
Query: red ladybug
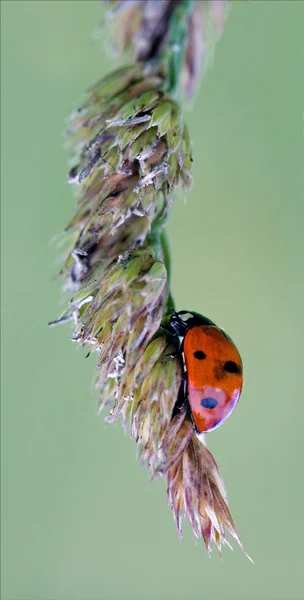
x,y
214,370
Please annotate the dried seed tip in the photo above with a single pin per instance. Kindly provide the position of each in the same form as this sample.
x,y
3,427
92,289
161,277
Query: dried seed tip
x,y
123,140
143,26
195,487
206,25
148,30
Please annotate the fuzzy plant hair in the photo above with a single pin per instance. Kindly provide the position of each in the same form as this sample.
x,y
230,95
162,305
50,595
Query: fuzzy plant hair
x,y
130,152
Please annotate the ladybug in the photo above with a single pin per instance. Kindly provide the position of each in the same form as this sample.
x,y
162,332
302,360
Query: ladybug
x,y
214,371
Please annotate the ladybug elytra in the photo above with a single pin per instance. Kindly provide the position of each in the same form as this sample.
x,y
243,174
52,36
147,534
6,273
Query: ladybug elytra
x,y
214,370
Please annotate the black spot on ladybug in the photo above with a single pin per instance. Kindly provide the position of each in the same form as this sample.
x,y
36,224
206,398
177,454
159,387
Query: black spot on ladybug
x,y
199,354
208,402
231,367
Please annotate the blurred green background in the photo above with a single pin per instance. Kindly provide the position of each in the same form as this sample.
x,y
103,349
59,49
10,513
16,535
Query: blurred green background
x,y
80,520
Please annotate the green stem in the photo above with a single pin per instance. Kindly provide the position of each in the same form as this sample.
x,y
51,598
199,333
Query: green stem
x,y
173,55
166,253
172,58
159,240
167,263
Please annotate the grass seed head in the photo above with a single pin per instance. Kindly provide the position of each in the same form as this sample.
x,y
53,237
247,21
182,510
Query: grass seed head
x,y
130,150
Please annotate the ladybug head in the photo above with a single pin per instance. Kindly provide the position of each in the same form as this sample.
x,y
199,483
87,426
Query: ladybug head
x,y
184,320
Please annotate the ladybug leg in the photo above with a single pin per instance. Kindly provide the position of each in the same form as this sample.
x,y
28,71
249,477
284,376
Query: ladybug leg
x,y
167,329
173,354
178,351
175,341
185,384
182,398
